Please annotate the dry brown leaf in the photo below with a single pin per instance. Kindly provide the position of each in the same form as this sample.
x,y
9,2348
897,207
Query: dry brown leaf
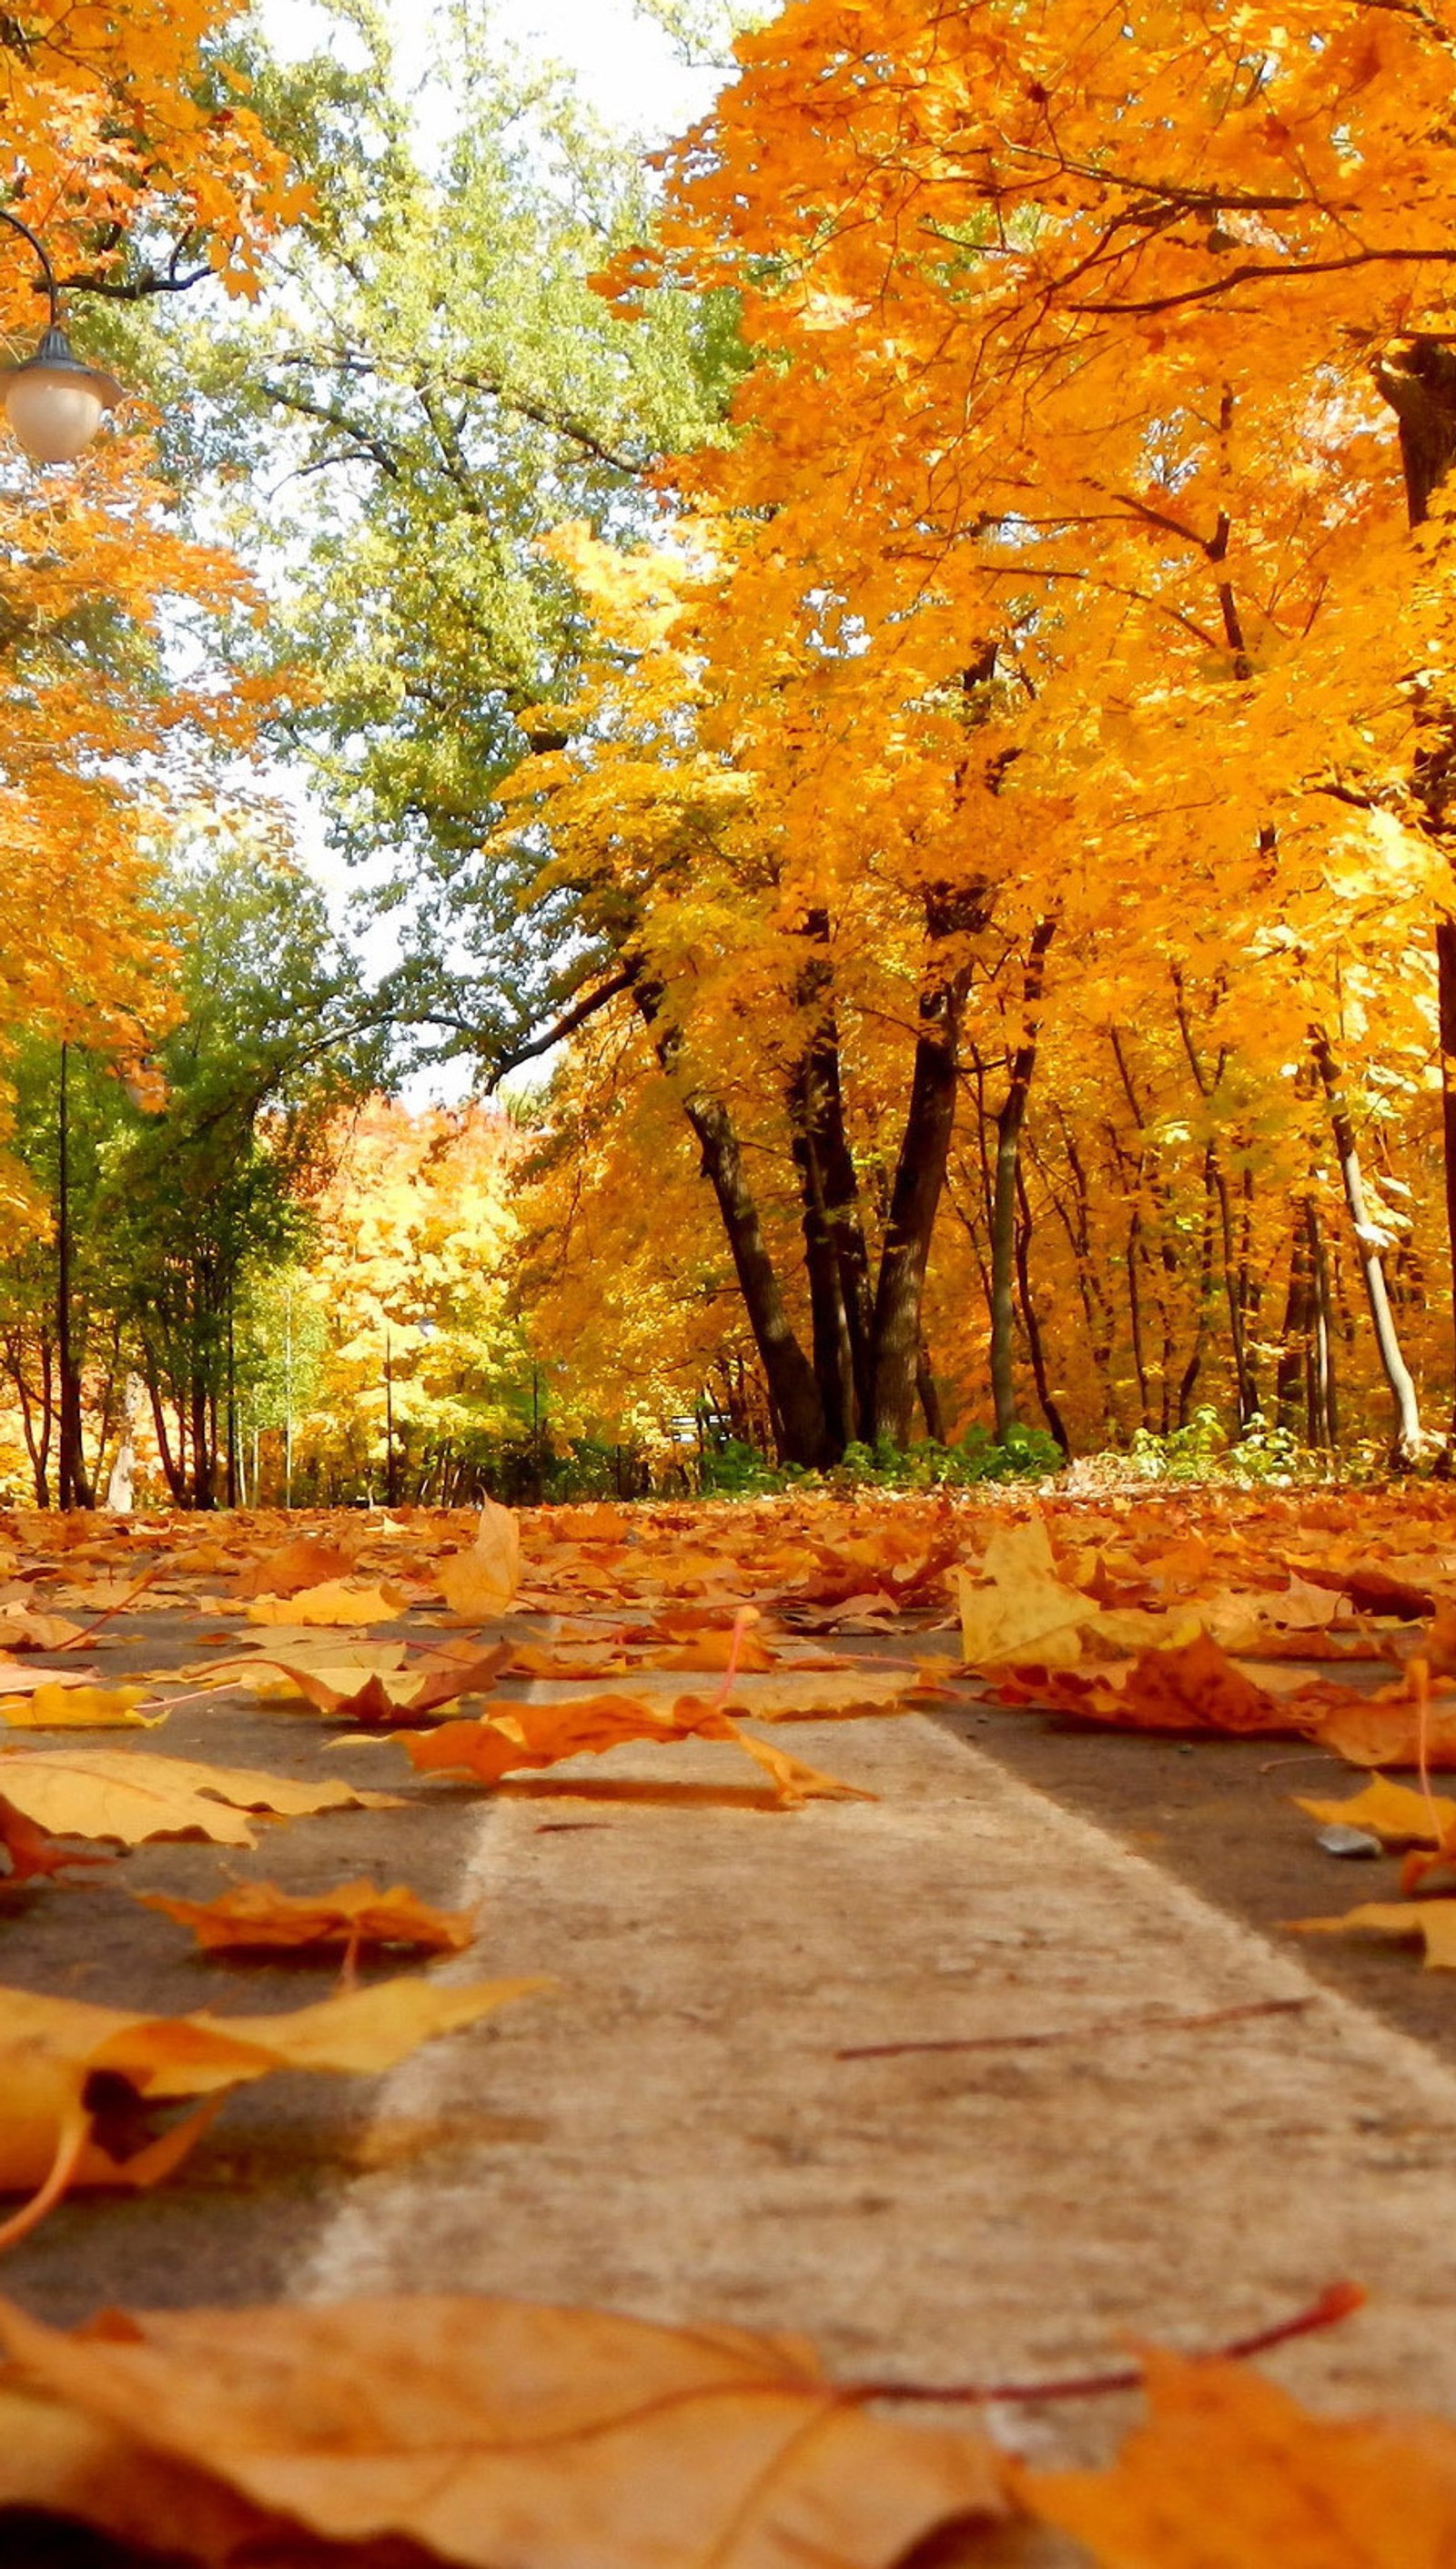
x,y
129,1796
493,2433
22,1627
1385,1730
1196,1687
358,1915
334,1602
305,1563
394,1703
541,1734
34,1854
482,1580
1229,2473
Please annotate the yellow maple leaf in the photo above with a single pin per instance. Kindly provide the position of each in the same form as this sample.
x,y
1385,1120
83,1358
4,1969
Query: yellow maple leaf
x,y
131,1795
1018,1608
84,1707
482,1580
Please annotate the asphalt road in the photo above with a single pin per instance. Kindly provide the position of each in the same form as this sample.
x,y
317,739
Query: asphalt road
x,y
237,2221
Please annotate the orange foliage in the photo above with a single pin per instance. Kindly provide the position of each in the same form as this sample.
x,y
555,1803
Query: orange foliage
x,y
1058,578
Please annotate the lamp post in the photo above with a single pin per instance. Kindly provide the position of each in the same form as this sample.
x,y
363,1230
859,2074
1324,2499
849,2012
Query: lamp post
x,y
54,401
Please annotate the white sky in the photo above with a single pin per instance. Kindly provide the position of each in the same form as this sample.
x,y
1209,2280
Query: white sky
x,y
630,75
628,69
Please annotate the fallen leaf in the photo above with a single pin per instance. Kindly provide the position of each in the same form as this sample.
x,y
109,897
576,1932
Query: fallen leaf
x,y
491,2433
541,1734
1435,1920
711,1653
304,1563
1395,1813
129,1796
1018,1608
83,1707
23,1629
34,1854
1229,2473
1195,1687
356,1914
1385,1730
335,1601
484,1579
62,2123
392,1703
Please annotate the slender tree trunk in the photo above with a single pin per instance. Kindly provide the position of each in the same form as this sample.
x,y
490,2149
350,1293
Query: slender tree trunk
x,y
1296,1336
919,1173
927,1391
1446,1006
1009,1122
794,1400
1418,380
1407,1443
173,1466
1323,1410
1034,1344
834,1230
72,1489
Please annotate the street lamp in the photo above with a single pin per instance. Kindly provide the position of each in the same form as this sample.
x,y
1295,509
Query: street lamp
x,y
53,402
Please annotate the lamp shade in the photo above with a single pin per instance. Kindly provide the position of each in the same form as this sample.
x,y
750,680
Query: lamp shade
x,y
53,402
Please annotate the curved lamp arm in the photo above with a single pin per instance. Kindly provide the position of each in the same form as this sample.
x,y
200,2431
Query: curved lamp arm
x,y
53,402
47,271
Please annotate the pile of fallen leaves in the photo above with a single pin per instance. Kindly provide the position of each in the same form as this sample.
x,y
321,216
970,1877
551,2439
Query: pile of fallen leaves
x,y
495,2432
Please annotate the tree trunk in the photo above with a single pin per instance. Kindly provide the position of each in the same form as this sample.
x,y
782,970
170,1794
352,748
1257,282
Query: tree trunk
x,y
1009,1122
927,1391
1407,1444
1418,379
173,1466
1323,1410
794,1400
72,1489
834,1231
1296,1336
1035,1349
919,1173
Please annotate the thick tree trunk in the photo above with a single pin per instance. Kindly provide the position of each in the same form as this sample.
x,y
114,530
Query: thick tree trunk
x,y
1009,1122
1407,1443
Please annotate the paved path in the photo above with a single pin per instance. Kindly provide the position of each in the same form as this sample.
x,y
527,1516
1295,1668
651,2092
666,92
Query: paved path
x,y
674,2132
